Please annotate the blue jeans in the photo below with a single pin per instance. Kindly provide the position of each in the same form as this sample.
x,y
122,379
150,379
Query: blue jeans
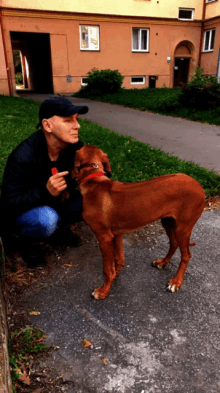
x,y
43,221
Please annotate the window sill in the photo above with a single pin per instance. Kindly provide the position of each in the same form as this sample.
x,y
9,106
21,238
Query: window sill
x,y
208,51
89,50
140,51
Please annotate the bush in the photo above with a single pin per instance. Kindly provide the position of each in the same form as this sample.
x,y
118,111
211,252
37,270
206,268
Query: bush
x,y
19,78
202,92
102,82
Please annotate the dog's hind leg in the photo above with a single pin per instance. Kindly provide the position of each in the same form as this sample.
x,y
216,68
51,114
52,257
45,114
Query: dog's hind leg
x,y
169,225
183,238
119,253
106,243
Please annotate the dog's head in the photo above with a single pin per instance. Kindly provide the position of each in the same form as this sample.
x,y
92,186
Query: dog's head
x,y
88,155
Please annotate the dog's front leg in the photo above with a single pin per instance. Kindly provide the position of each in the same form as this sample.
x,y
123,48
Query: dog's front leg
x,y
106,244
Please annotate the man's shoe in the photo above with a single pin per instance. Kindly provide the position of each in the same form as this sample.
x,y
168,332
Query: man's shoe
x,y
65,236
33,255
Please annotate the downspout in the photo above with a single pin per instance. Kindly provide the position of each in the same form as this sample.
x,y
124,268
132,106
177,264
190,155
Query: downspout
x,y
202,33
5,53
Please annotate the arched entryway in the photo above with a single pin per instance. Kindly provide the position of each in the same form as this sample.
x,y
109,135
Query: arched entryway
x,y
182,58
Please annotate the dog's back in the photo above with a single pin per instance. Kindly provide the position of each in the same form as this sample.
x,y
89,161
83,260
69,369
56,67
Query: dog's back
x,y
128,206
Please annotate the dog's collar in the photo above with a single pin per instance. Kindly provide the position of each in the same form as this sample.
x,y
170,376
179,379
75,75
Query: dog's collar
x,y
91,165
98,174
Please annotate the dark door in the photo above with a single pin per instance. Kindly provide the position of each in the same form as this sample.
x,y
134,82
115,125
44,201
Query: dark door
x,y
181,70
152,81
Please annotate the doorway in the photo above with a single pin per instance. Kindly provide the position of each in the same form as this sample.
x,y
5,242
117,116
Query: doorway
x,y
35,69
181,71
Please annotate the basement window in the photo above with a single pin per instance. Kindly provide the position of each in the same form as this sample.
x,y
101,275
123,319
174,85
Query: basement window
x,y
186,14
84,81
137,80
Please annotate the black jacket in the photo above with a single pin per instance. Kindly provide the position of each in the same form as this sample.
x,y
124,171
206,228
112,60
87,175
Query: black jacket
x,y
27,171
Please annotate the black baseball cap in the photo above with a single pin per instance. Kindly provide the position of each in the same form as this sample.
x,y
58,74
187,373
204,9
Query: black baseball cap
x,y
59,106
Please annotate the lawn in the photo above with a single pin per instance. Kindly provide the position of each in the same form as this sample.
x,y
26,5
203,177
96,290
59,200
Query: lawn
x,y
164,101
131,160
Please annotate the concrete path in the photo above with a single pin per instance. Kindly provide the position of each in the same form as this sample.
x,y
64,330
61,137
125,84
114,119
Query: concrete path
x,y
190,141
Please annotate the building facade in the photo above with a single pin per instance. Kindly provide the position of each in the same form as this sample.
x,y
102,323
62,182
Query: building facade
x,y
153,43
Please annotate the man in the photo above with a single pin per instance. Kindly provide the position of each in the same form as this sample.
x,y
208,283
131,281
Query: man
x,y
31,200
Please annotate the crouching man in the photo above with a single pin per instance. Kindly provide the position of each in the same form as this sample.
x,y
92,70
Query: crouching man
x,y
31,199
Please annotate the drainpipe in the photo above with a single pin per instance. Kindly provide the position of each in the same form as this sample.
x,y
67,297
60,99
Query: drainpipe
x,y
5,53
202,33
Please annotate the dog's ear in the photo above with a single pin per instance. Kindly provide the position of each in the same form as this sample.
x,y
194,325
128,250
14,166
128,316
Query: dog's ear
x,y
106,164
77,163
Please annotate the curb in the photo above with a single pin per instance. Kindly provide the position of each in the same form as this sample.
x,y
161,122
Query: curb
x,y
5,378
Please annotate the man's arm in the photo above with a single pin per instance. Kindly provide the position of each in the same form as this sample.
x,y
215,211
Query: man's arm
x,y
20,192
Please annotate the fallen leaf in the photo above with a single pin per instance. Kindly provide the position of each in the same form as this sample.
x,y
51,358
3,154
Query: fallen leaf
x,y
105,361
23,377
86,343
68,264
34,313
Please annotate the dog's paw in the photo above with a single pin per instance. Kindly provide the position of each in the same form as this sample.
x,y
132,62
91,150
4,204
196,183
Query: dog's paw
x,y
98,294
174,284
95,295
172,288
158,263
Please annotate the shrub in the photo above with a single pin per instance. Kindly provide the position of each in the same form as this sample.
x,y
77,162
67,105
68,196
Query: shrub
x,y
19,78
202,92
102,81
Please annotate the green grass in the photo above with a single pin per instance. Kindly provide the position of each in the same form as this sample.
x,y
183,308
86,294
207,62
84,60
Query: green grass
x,y
131,160
137,161
18,120
164,101
22,344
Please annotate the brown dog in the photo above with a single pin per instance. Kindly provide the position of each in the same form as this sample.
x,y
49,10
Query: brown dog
x,y
112,208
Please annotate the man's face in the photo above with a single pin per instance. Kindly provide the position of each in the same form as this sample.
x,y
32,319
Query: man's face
x,y
64,129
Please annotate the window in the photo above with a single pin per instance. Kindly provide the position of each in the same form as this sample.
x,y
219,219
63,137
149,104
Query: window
x,y
84,81
137,80
209,38
186,14
210,1
89,37
140,40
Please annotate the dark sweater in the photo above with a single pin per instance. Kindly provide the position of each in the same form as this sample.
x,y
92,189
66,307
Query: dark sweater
x,y
27,171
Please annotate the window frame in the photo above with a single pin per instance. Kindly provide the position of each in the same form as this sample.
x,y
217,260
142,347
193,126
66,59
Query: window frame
x,y
80,38
148,39
138,83
210,39
83,83
186,9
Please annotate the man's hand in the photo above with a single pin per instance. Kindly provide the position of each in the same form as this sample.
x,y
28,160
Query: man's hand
x,y
57,183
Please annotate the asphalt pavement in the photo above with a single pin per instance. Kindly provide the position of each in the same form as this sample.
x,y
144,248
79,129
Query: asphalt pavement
x,y
144,339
